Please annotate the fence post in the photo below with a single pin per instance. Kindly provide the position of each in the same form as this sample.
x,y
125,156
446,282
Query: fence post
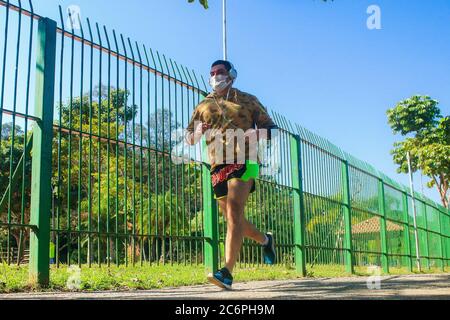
x,y
407,232
383,231
41,191
441,237
427,248
348,251
446,239
210,216
298,204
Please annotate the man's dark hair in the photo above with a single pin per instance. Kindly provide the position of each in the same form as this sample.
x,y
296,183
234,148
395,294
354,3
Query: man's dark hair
x,y
225,63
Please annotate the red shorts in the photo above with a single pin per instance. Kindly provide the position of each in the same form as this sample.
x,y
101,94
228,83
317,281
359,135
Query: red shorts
x,y
224,173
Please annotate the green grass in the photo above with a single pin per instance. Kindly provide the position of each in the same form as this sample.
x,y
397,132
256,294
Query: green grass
x,y
15,279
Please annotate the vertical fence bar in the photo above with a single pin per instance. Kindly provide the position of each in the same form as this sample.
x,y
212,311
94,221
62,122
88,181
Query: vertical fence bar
x,y
26,151
117,152
41,194
348,252
211,253
383,229
414,207
441,239
447,239
298,203
407,230
427,247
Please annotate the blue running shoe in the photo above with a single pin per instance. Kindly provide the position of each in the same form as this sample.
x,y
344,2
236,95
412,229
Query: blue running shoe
x,y
222,279
270,254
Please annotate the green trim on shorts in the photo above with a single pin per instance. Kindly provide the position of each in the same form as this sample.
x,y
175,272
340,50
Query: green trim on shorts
x,y
252,171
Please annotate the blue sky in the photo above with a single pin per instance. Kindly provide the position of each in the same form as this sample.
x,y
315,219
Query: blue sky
x,y
315,62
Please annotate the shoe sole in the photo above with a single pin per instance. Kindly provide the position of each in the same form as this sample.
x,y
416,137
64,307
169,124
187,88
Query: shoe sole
x,y
218,283
273,250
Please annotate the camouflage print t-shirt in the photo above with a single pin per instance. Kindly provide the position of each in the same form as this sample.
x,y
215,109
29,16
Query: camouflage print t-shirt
x,y
239,113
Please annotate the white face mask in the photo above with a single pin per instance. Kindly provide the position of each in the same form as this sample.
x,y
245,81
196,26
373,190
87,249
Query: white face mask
x,y
219,82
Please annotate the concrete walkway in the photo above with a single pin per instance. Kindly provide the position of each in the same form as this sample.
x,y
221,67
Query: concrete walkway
x,y
391,287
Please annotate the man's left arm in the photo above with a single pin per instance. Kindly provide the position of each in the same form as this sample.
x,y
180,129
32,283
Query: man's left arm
x,y
263,120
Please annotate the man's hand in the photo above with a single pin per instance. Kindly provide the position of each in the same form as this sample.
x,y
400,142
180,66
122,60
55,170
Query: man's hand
x,y
201,129
194,138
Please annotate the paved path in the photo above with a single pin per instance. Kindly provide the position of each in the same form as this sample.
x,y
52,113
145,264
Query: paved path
x,y
392,287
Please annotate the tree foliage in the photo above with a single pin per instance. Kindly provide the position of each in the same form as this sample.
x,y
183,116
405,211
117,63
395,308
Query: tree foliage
x,y
100,183
100,186
17,204
427,139
204,3
417,114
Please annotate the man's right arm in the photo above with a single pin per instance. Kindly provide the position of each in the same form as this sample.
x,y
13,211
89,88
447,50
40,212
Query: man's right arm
x,y
195,129
192,138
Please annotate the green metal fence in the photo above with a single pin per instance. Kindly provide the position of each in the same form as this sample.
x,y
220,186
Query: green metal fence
x,y
87,176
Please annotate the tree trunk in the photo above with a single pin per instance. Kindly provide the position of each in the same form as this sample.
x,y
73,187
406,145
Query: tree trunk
x,y
443,193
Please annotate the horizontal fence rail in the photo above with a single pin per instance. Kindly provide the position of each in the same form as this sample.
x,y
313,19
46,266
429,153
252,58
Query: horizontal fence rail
x,y
119,198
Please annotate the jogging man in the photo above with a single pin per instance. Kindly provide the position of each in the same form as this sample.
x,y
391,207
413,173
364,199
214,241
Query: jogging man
x,y
232,122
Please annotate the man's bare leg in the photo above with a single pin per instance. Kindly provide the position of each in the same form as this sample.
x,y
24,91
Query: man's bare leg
x,y
238,193
250,230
